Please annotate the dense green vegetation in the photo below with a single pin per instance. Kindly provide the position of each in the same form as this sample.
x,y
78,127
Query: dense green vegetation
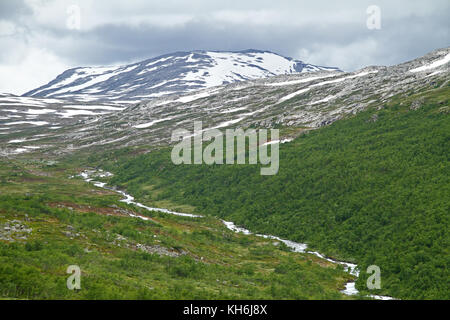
x,y
373,190
75,223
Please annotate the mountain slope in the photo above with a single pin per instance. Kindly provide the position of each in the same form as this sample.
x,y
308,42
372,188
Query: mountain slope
x,y
306,100
172,73
49,221
372,189
23,115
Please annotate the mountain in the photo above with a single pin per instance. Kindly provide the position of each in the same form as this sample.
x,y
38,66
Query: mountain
x,y
363,177
307,100
168,74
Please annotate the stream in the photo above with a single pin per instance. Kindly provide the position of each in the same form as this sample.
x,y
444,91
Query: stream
x,y
350,287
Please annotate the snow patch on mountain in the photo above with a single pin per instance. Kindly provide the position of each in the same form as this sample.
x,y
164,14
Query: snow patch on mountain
x,y
433,65
176,73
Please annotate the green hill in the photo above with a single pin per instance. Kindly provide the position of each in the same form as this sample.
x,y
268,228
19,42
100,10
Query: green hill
x,y
373,188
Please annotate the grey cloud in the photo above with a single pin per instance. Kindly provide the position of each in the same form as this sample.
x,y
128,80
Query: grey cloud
x,y
330,33
397,41
12,9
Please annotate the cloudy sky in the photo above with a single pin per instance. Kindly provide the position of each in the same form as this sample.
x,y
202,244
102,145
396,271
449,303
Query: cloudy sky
x,y
39,39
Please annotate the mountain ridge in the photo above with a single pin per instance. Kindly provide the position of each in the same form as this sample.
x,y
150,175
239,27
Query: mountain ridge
x,y
171,73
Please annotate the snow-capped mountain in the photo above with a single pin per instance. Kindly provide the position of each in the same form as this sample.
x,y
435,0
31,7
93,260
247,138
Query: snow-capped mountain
x,y
301,100
175,73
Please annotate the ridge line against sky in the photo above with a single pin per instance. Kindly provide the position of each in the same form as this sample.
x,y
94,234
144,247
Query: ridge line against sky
x,y
38,43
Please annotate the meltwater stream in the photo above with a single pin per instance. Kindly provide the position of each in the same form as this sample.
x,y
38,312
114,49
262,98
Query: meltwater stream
x,y
350,288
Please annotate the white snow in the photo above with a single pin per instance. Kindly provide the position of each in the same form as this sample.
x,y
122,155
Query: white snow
x,y
24,100
323,100
63,83
149,124
294,94
204,94
227,123
93,107
361,74
17,140
434,73
158,61
28,101
71,113
159,84
95,78
35,123
227,67
24,149
289,83
144,71
19,150
234,110
433,65
191,59
277,141
40,111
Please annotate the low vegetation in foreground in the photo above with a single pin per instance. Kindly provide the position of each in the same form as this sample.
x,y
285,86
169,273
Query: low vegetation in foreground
x,y
49,221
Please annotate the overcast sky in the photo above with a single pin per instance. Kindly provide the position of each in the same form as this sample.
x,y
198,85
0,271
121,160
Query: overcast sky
x,y
39,39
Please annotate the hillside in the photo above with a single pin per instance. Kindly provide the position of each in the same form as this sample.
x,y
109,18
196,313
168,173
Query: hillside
x,y
49,221
371,189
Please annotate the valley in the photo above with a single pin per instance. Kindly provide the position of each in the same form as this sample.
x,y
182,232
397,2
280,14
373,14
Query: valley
x,y
363,178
